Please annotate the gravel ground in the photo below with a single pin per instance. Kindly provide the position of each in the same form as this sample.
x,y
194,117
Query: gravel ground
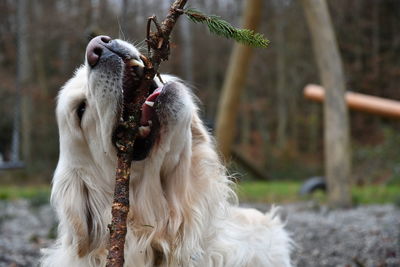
x,y
359,237
364,236
24,229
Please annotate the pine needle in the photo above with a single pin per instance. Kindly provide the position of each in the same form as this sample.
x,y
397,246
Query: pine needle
x,y
220,27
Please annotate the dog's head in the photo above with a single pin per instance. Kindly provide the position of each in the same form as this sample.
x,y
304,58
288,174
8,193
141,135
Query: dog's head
x,y
90,103
89,106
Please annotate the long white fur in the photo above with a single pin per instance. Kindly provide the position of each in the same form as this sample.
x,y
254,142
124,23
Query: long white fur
x,y
182,204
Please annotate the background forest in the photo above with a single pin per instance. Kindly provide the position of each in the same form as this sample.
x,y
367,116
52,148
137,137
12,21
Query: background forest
x,y
280,132
279,137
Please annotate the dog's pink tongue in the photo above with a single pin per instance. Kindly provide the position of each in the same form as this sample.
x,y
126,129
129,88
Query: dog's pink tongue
x,y
147,107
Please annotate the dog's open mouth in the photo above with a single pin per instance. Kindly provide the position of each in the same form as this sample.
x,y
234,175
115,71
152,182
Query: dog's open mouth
x,y
148,113
149,123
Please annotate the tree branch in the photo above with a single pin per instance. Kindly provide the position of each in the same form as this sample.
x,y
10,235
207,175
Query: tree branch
x,y
127,129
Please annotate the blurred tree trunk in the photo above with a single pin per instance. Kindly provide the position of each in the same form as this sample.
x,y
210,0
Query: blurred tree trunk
x,y
211,81
64,50
39,55
375,39
23,73
313,130
124,17
281,87
245,120
234,82
187,51
359,48
94,8
293,109
336,123
103,6
212,71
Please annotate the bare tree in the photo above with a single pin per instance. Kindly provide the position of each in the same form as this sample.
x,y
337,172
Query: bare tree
x,y
38,58
336,122
124,16
187,50
235,81
23,73
281,87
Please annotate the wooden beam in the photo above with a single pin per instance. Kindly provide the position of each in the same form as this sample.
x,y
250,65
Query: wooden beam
x,y
366,103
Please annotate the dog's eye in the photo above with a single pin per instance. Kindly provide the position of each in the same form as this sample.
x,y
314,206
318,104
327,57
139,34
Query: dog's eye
x,y
80,110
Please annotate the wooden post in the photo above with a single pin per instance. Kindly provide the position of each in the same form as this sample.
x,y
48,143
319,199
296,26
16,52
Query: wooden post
x,y
336,124
234,83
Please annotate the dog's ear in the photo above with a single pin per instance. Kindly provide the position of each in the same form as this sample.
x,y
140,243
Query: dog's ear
x,y
78,216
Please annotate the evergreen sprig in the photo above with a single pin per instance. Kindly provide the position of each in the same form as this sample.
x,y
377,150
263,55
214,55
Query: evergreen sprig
x,y
223,28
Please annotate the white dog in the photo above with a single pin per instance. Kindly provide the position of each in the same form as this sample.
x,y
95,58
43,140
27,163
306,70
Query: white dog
x,y
182,211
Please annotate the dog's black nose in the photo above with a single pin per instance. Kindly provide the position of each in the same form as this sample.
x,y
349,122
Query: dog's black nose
x,y
95,48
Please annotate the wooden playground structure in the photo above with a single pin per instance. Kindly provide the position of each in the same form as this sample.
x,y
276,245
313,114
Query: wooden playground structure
x,y
361,102
366,103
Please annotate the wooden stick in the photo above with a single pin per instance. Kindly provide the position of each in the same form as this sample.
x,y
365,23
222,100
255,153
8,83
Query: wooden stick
x,y
361,102
127,131
119,211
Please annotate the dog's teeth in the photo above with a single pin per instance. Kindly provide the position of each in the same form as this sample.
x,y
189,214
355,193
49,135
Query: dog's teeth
x,y
149,103
144,131
135,63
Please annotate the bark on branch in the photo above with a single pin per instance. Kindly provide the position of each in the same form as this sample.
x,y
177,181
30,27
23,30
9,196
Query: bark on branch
x,y
159,50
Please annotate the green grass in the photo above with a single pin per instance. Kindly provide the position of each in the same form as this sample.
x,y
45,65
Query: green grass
x,y
277,192
288,192
37,195
248,191
376,194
